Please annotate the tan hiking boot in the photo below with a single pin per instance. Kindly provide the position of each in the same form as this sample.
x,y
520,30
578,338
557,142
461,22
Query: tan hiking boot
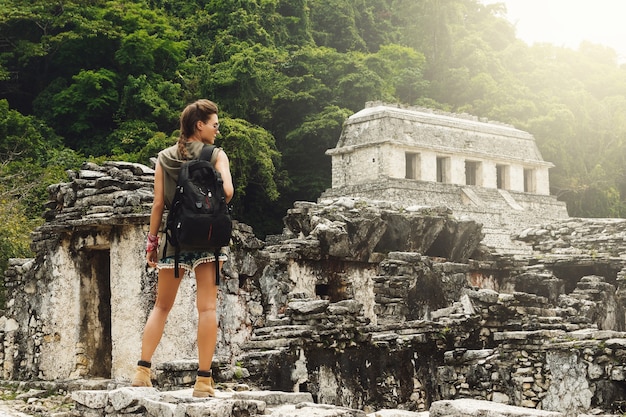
x,y
142,377
204,387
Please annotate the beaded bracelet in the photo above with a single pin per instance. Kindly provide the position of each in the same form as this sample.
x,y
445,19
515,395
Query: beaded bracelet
x,y
152,243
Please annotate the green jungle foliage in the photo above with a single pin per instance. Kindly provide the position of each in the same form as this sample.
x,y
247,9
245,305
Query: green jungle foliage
x,y
107,79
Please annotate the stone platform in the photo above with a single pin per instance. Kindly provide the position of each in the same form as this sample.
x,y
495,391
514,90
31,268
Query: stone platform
x,y
152,403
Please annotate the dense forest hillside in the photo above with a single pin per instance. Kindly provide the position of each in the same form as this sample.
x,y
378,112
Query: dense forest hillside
x,y
106,79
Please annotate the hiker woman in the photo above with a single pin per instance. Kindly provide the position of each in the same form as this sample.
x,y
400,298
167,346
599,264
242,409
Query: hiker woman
x,y
199,125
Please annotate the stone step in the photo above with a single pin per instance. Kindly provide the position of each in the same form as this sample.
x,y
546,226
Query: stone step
x,y
150,402
271,330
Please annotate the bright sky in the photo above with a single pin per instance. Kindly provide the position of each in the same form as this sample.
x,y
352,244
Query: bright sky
x,y
569,22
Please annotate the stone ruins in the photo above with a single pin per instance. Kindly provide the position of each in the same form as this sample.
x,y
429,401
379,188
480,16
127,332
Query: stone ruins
x,y
488,171
360,306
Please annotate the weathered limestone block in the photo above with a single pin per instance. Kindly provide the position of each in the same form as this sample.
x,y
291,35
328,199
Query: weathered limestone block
x,y
577,236
343,231
308,307
466,356
569,390
316,410
223,408
398,413
127,398
244,236
108,184
410,232
477,408
411,287
93,398
274,398
458,240
595,299
137,169
88,174
298,219
353,238
159,408
542,283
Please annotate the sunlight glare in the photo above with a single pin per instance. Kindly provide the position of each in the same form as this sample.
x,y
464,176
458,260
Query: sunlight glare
x,y
567,23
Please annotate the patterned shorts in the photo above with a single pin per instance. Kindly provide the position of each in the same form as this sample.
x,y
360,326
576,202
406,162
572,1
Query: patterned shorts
x,y
190,260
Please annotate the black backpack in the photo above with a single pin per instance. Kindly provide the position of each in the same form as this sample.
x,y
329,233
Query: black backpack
x,y
199,218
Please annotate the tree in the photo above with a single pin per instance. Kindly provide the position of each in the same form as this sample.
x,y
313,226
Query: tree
x,y
82,111
14,234
244,83
255,166
308,165
401,69
79,57
44,40
31,158
333,25
151,100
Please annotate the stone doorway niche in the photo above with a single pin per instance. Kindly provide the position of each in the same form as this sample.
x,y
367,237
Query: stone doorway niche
x,y
95,345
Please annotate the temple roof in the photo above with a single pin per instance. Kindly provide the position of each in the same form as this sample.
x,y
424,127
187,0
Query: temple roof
x,y
380,123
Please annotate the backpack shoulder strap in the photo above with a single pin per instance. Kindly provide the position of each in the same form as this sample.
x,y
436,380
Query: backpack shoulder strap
x,y
207,152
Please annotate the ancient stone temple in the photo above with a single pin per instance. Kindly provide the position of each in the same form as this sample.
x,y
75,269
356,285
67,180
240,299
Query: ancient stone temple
x,y
488,171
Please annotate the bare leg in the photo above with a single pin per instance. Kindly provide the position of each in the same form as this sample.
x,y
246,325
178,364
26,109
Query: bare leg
x,y
167,288
206,302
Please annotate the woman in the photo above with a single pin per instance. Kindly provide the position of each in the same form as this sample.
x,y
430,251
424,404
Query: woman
x,y
199,125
